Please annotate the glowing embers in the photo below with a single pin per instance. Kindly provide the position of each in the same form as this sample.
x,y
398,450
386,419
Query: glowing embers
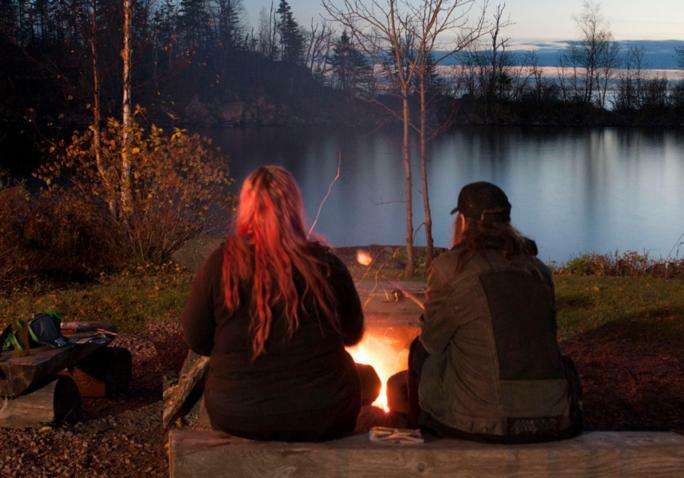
x,y
386,353
363,257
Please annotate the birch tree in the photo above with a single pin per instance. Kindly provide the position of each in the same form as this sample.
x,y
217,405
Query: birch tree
x,y
380,26
409,31
97,119
593,57
125,180
434,18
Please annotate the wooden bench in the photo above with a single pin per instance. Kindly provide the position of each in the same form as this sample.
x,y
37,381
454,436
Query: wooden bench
x,y
46,386
18,374
597,454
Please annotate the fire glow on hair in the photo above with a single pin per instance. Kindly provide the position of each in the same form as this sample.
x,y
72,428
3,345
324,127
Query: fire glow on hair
x,y
269,244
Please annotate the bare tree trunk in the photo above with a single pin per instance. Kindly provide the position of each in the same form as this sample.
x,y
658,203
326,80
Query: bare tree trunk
x,y
429,252
403,28
126,111
406,155
97,147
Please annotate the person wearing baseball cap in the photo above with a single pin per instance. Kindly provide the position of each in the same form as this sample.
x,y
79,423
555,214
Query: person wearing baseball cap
x,y
487,365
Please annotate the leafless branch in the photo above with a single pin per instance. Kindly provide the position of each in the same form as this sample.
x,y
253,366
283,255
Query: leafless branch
x,y
327,195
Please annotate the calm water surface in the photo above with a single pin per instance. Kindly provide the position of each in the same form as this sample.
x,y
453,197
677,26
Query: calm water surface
x,y
572,191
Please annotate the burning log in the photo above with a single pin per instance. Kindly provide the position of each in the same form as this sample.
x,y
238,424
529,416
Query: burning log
x,y
370,383
386,355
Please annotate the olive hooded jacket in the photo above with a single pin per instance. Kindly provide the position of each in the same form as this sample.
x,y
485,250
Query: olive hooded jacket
x,y
494,366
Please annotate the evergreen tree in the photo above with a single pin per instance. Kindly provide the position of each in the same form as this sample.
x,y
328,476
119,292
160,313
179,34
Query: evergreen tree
x,y
8,20
193,23
350,68
229,24
164,25
291,38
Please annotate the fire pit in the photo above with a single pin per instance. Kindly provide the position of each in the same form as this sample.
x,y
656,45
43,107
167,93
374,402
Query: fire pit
x,y
392,322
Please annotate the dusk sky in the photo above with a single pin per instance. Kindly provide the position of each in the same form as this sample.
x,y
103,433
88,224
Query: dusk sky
x,y
552,19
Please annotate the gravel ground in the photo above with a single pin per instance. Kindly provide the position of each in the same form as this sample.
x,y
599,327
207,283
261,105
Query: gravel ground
x,y
120,436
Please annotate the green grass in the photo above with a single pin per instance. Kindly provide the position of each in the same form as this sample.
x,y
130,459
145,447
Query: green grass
x,y
128,300
640,309
644,311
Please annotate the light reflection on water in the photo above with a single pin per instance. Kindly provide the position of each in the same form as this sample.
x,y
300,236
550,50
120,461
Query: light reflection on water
x,y
571,190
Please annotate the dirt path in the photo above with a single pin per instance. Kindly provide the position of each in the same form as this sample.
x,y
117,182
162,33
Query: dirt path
x,y
629,383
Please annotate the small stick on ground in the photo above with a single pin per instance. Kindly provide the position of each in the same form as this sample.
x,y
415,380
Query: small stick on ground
x,y
327,195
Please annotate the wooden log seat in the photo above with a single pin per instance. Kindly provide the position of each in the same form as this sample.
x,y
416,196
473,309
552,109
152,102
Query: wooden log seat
x,y
21,373
595,454
55,403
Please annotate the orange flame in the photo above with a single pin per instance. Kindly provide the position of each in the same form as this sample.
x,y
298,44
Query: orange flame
x,y
363,257
388,356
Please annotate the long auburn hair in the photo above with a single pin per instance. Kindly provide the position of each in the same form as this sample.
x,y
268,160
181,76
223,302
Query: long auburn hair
x,y
481,235
268,247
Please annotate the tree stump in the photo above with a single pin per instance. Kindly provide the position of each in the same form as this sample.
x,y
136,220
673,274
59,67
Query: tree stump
x,y
55,403
105,372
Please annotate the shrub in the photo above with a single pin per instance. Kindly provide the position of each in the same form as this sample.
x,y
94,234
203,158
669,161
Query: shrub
x,y
629,263
179,184
42,235
68,236
14,210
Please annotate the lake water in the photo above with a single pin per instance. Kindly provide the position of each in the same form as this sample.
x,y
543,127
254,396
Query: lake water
x,y
572,191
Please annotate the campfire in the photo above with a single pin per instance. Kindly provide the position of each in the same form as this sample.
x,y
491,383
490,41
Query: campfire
x,y
390,326
388,355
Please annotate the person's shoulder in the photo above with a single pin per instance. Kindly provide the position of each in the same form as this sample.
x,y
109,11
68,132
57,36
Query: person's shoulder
x,y
446,264
445,261
213,264
325,254
217,254
531,246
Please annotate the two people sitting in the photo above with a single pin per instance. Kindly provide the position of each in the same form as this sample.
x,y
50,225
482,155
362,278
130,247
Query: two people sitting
x,y
275,310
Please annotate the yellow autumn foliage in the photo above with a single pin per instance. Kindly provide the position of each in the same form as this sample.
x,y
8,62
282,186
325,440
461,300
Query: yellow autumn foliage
x,y
179,185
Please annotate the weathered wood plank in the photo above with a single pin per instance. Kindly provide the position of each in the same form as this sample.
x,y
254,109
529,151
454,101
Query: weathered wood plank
x,y
598,454
175,397
18,374
54,403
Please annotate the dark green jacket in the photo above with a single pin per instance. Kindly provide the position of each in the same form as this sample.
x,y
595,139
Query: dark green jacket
x,y
494,366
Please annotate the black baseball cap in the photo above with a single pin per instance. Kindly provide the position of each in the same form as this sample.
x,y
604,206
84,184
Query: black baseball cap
x,y
483,201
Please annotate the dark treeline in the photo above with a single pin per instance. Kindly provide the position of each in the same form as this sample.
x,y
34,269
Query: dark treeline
x,y
493,86
198,62
194,62
595,83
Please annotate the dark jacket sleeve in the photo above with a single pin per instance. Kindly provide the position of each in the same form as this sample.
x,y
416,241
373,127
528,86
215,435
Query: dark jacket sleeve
x,y
348,304
198,315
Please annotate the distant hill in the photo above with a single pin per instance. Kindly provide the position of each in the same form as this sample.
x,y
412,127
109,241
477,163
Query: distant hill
x,y
658,54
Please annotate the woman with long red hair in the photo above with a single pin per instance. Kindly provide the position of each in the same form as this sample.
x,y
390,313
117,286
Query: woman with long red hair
x,y
274,311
